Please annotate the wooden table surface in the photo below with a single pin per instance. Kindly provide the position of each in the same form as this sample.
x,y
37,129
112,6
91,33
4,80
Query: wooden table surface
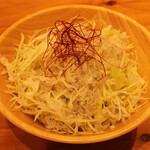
x,y
13,138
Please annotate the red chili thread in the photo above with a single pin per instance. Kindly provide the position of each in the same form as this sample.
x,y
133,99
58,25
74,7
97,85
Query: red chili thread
x,y
68,43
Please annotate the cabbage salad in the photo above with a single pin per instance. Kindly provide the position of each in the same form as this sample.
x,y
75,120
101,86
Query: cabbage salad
x,y
75,78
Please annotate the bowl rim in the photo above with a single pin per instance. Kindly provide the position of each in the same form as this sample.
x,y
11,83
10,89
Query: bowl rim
x,y
64,138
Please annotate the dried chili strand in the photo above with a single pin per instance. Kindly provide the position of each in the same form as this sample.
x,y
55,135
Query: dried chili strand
x,y
71,46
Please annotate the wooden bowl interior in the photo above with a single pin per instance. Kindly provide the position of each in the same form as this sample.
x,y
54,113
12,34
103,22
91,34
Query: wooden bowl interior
x,y
45,18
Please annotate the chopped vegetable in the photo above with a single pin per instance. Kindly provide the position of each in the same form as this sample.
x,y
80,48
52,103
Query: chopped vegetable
x,y
75,79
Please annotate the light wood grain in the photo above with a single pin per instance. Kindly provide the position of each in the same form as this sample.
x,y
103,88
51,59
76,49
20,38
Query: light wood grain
x,y
139,10
139,144
16,9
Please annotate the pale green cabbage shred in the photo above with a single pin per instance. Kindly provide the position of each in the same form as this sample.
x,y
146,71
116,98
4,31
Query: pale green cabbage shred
x,y
77,102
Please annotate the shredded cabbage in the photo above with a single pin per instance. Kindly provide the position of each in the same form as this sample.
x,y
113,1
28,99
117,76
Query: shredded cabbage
x,y
76,102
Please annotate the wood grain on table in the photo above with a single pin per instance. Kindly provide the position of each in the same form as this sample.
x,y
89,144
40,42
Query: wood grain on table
x,y
13,138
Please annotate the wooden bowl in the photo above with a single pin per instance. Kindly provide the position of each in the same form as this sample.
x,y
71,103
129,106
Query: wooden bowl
x,y
45,18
